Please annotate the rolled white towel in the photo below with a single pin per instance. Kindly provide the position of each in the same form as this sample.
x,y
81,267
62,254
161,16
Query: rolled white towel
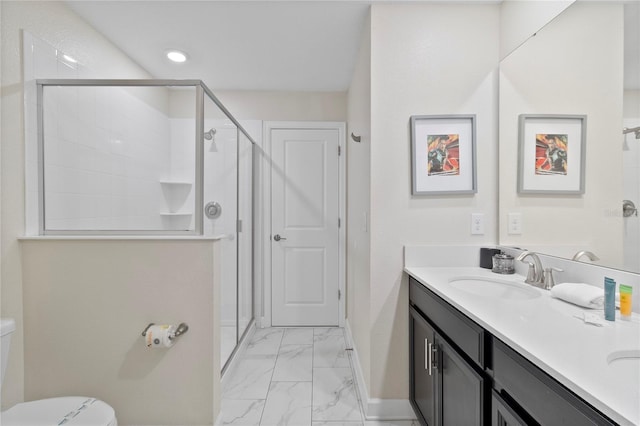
x,y
579,294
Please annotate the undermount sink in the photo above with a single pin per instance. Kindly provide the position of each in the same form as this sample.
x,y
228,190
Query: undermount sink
x,y
624,363
629,355
494,288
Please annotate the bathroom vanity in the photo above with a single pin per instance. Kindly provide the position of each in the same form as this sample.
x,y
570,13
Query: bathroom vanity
x,y
490,350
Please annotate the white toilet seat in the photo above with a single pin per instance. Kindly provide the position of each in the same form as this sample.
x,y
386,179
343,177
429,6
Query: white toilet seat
x,y
67,411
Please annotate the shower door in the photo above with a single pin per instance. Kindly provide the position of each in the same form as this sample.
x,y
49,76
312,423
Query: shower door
x,y
228,182
221,188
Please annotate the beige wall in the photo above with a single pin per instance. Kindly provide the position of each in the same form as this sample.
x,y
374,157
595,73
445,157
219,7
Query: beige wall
x,y
358,202
266,106
54,23
554,73
631,107
425,59
88,302
284,106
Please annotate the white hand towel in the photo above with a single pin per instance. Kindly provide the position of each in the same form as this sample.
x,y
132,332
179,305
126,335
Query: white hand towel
x,y
580,294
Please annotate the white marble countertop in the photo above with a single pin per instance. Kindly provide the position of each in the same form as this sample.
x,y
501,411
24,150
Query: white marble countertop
x,y
546,332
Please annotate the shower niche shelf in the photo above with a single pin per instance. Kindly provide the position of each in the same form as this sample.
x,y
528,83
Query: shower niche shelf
x,y
175,183
176,193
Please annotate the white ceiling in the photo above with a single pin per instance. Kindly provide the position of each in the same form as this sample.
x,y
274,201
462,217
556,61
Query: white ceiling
x,y
244,45
301,45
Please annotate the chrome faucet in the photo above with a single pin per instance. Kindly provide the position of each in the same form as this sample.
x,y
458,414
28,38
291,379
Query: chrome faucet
x,y
592,257
535,273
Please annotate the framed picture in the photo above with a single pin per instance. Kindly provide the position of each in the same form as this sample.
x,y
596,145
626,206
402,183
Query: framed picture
x,y
443,154
551,154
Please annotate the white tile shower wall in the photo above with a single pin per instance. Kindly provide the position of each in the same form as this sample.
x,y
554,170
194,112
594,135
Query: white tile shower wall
x,y
220,176
182,165
183,149
104,163
106,149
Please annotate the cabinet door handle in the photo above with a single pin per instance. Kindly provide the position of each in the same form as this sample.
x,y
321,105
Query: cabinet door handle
x,y
427,356
433,356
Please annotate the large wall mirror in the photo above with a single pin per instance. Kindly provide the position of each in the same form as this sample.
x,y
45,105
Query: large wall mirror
x,y
585,61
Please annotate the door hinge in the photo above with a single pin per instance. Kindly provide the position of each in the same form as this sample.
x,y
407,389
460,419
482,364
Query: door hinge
x,y
339,222
339,150
339,295
239,225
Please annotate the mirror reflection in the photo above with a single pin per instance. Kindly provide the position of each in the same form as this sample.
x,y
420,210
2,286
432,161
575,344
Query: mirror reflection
x,y
572,66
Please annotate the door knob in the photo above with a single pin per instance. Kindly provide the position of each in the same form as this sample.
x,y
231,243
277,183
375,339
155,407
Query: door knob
x,y
277,237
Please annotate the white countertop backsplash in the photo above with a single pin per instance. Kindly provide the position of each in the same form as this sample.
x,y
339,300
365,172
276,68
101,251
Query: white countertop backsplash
x,y
545,330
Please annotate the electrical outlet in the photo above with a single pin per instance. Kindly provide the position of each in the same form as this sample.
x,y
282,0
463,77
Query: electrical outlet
x,y
515,223
477,223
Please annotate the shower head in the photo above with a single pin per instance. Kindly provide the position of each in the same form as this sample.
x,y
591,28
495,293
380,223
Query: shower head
x,y
635,130
209,135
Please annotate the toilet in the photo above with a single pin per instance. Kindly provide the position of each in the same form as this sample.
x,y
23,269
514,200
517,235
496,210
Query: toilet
x,y
71,410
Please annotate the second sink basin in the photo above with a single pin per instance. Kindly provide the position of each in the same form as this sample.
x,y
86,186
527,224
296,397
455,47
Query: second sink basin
x,y
632,355
494,288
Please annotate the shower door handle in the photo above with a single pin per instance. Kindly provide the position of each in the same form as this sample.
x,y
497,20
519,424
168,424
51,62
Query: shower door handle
x,y
277,237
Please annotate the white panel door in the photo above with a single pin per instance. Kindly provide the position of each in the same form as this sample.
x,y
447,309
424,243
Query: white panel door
x,y
304,227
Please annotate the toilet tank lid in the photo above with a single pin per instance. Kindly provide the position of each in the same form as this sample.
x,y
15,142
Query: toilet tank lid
x,y
7,325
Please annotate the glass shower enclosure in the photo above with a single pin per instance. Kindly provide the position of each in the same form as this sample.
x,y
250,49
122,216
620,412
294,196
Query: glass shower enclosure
x,y
154,158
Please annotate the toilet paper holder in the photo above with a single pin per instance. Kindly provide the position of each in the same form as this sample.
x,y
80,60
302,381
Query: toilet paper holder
x,y
180,330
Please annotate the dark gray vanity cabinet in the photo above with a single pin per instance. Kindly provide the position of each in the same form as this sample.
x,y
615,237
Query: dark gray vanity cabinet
x,y
423,373
463,375
538,395
502,414
462,388
447,385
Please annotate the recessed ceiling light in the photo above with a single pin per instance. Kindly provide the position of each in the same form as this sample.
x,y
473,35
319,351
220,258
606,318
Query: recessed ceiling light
x,y
176,56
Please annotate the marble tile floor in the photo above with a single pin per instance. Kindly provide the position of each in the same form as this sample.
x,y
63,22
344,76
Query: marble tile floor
x,y
297,377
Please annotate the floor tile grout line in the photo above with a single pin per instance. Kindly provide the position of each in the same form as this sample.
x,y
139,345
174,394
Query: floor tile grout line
x,y
271,379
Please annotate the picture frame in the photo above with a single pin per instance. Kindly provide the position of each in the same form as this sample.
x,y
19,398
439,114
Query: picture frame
x,y
443,154
551,154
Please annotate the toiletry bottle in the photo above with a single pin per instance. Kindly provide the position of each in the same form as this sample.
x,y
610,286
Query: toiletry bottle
x,y
625,301
609,299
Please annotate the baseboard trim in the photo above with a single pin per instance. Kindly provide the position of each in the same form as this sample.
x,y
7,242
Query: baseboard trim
x,y
236,355
375,408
